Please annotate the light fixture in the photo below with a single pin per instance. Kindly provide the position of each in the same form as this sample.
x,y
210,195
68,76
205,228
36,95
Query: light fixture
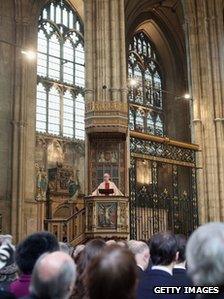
x,y
31,55
187,96
133,82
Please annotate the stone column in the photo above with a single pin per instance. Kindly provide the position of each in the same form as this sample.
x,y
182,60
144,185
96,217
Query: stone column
x,y
105,94
6,102
24,212
204,23
18,78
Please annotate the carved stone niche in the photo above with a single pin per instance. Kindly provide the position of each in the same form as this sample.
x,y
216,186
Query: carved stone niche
x,y
61,180
107,154
107,217
106,117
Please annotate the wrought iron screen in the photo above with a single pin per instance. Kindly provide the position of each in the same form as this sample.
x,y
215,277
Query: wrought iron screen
x,y
163,193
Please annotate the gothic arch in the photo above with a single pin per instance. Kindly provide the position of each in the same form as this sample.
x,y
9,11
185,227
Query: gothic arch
x,y
164,28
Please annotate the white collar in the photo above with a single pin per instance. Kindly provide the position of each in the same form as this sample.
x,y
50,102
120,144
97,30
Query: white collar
x,y
162,268
140,267
179,267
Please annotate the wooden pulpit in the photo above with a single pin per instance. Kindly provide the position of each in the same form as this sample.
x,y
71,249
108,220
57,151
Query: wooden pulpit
x,y
107,216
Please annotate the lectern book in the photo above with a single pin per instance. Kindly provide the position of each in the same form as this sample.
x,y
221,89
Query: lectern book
x,y
106,191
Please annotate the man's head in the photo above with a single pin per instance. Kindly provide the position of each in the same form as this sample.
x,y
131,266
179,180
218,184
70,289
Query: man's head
x,y
163,249
181,248
106,177
205,255
30,249
53,276
112,274
141,252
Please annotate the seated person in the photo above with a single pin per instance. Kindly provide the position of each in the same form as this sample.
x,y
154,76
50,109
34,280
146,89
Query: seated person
x,y
27,253
179,270
163,253
205,258
53,276
141,252
112,274
107,184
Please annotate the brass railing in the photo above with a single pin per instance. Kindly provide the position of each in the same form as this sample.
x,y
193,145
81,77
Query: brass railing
x,y
71,230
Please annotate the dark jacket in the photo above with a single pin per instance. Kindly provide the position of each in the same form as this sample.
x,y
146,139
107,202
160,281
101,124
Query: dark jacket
x,y
181,277
6,295
183,280
154,278
140,272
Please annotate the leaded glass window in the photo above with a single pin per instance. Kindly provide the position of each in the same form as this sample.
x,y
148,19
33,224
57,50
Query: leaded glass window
x,y
60,72
145,90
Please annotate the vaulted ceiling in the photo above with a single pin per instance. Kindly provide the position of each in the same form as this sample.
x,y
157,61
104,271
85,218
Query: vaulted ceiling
x,y
167,15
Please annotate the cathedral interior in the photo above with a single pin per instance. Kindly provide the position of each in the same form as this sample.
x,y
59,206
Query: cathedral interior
x,y
125,87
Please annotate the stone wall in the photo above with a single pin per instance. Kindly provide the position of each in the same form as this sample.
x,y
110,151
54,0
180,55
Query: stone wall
x,y
18,30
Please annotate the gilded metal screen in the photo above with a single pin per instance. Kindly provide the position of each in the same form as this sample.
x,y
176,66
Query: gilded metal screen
x,y
163,193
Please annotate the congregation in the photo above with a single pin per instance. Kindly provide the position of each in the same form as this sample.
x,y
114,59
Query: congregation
x,y
167,266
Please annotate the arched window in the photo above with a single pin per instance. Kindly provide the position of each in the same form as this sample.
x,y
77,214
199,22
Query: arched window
x,y
60,72
145,91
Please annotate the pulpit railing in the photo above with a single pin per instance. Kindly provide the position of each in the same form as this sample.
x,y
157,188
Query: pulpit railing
x,y
70,230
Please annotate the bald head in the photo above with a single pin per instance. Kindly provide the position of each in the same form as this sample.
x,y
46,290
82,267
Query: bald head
x,y
53,276
106,177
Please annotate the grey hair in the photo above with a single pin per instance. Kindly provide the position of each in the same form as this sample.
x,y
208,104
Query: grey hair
x,y
64,247
56,287
205,255
137,247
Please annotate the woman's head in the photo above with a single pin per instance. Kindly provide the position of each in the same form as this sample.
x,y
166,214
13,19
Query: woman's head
x,y
112,274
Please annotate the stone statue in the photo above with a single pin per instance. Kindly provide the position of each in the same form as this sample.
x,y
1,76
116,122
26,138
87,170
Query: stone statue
x,y
73,185
107,184
41,184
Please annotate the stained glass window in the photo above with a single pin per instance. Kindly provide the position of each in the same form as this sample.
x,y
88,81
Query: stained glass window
x,y
60,72
145,88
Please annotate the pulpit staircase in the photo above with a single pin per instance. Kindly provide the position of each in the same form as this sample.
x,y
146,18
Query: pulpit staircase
x,y
70,230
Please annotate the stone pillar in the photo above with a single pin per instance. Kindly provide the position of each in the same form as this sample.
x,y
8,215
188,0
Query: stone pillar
x,y
24,214
18,79
106,93
204,31
6,95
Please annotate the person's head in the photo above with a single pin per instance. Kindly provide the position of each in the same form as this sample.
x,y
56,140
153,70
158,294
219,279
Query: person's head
x,y
64,247
92,249
106,177
30,249
163,249
181,248
205,255
78,249
141,252
111,242
122,243
53,276
112,274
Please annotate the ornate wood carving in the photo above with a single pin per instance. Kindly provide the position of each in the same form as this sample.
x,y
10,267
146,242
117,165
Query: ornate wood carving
x,y
107,216
107,156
